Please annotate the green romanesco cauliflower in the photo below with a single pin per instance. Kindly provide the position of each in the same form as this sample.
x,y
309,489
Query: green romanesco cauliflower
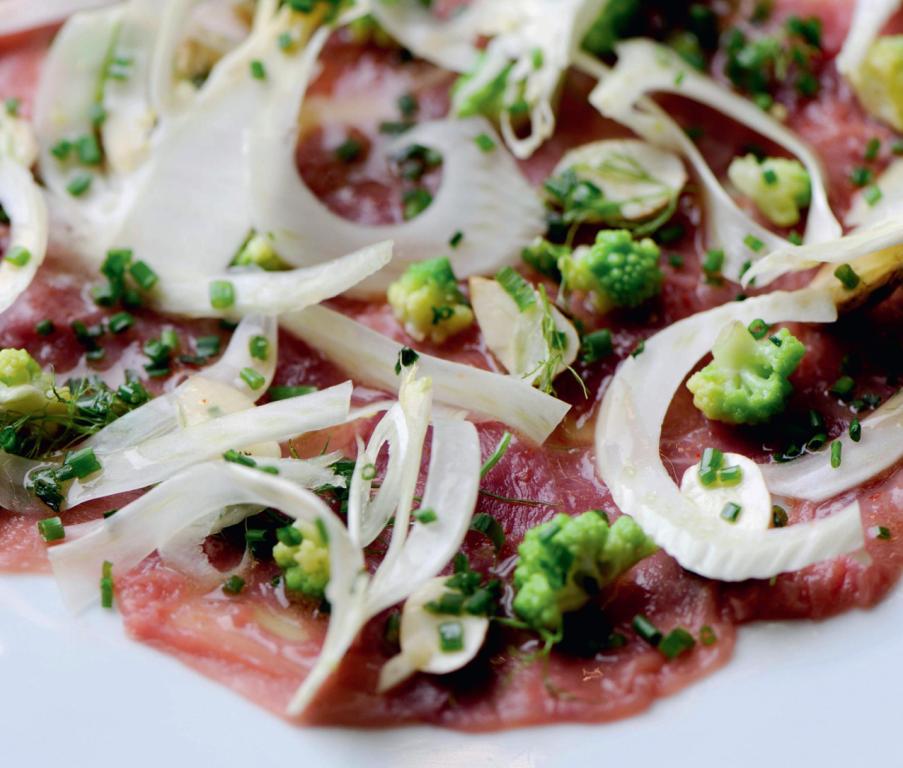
x,y
258,251
617,271
427,301
17,367
747,380
302,553
779,187
563,562
25,388
878,80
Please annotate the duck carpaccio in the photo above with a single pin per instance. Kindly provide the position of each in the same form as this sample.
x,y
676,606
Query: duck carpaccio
x,y
262,644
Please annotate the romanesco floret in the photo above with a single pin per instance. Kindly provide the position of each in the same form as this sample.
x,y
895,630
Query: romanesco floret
x,y
563,562
258,251
617,271
779,187
17,367
878,80
302,553
747,380
427,301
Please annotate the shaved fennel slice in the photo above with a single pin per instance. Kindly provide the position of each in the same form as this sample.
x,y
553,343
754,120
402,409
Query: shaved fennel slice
x,y
419,638
628,433
24,205
751,494
14,498
451,492
468,200
23,15
859,243
273,292
448,43
862,213
520,339
403,428
869,18
372,357
237,356
159,458
812,477
18,141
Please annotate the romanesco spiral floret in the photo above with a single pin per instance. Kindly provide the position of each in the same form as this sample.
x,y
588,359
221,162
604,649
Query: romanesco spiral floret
x,y
566,560
747,380
259,251
17,367
878,80
779,187
303,555
427,301
617,271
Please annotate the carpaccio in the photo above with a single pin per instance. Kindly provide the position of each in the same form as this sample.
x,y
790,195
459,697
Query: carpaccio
x,y
262,645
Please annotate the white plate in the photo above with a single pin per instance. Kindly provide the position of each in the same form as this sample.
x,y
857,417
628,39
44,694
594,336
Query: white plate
x,y
78,693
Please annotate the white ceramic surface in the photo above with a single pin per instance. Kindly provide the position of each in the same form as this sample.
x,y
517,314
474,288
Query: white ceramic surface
x,y
78,693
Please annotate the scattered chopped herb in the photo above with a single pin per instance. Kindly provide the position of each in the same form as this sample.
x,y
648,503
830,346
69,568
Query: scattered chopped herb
x,y
861,176
18,255
451,636
258,70
847,276
707,635
415,201
79,184
778,516
490,527
500,450
456,239
872,194
408,105
517,288
758,328
855,430
45,327
836,454
881,532
485,142
121,322
647,630
284,392
731,512
843,387
106,584
252,378
426,516
872,148
349,150
596,345
406,358
233,585
259,347
51,529
639,348
222,294
677,642
754,244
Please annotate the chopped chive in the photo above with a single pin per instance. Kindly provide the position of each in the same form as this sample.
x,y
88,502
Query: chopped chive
x,y
855,430
711,462
255,536
79,184
778,516
639,348
713,261
426,516
451,636
88,150
121,321
758,328
222,294
897,147
676,260
106,584
322,530
207,346
252,378
407,105
647,630
415,201
795,238
731,512
51,529
596,345
97,114
368,472
395,127
61,149
406,358
670,234
500,450
843,387
836,454
707,635
517,288
678,641
45,327
237,457
110,513
285,41
349,150
490,527
11,105
861,176
753,243
258,70
847,276
82,463
872,194
456,239
259,347
872,148
769,177
284,392
882,532
485,142
730,476
233,585
18,256
142,273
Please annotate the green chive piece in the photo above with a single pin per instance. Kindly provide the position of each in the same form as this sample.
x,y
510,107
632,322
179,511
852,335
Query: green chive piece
x,y
51,529
485,142
88,150
676,260
284,393
778,516
368,472
769,177
596,345
61,149
408,105
18,256
855,430
426,516
847,276
843,387
451,636
349,150
490,527
639,348
406,358
517,288
415,201
731,512
106,584
711,462
861,176
677,642
753,243
97,114
500,450
456,239
730,476
207,346
647,630
79,184
222,294
45,327
881,532
259,347
11,105
872,148
872,194
252,378
258,70
233,585
836,454
82,463
758,328
795,238
121,321
707,635
143,275
713,261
